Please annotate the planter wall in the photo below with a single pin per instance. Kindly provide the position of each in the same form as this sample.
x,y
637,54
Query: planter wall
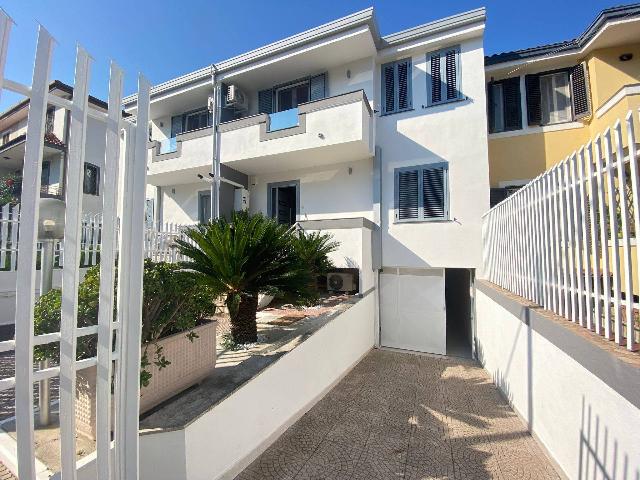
x,y
190,361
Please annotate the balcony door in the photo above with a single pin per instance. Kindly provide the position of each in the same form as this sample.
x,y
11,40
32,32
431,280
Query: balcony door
x,y
284,202
291,96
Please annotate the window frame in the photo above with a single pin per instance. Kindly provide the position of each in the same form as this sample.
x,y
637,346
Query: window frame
x,y
396,91
420,169
291,86
491,96
88,165
443,63
554,74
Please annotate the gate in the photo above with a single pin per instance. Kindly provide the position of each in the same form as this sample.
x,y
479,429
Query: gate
x,y
126,148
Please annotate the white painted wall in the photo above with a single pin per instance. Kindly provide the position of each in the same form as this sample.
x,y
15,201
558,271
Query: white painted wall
x,y
325,192
456,133
589,429
180,202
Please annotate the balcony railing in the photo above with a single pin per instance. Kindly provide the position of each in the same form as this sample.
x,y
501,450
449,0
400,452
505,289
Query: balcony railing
x,y
168,145
283,120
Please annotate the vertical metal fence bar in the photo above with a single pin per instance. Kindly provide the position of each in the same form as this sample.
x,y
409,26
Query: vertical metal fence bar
x,y
556,265
595,244
132,254
624,220
107,274
635,188
576,239
70,271
613,234
584,240
603,215
571,238
546,243
562,170
25,281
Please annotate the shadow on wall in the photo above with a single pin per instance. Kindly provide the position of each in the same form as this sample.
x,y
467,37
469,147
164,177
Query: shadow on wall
x,y
600,455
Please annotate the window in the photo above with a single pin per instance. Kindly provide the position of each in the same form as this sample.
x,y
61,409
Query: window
x,y
90,184
51,114
558,96
555,101
443,76
289,95
422,193
5,137
505,112
190,121
396,87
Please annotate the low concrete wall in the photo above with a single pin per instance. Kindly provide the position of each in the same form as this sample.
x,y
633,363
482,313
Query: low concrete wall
x,y
223,441
579,394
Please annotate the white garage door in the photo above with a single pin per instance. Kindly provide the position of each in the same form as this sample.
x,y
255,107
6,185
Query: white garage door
x,y
412,309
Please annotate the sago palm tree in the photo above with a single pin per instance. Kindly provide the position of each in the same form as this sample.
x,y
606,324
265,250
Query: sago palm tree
x,y
242,257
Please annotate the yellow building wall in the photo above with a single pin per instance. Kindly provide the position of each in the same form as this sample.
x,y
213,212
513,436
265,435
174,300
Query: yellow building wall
x,y
526,155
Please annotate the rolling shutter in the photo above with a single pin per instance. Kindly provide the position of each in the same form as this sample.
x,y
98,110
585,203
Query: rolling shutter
x,y
433,192
451,74
317,87
511,99
534,110
580,95
404,98
265,101
388,85
436,80
407,195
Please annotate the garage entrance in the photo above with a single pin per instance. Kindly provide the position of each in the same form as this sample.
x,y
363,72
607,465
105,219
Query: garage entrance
x,y
412,309
458,301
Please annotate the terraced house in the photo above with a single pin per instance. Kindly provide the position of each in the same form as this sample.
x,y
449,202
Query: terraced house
x,y
546,101
341,129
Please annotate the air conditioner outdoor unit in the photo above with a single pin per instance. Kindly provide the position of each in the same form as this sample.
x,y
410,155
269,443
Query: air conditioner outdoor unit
x,y
236,98
341,282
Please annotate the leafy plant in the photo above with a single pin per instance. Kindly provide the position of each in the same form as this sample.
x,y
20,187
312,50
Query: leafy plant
x,y
248,255
10,188
173,302
314,249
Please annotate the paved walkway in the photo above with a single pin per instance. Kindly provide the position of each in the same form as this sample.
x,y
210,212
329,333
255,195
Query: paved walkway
x,y
406,416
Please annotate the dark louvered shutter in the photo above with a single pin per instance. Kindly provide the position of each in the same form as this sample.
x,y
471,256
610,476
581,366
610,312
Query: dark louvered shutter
x,y
534,110
580,91
436,81
452,74
404,98
407,201
317,87
491,114
433,191
511,99
389,86
265,101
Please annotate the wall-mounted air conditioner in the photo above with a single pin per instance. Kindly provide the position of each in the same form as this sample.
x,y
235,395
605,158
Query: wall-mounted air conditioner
x,y
236,98
341,282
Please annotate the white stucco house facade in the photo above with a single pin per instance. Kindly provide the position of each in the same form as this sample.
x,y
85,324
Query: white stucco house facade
x,y
379,140
13,128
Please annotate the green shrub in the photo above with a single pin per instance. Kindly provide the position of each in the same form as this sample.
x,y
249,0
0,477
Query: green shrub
x,y
173,302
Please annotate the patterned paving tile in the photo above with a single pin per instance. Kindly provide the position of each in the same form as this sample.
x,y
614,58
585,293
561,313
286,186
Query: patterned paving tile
x,y
402,416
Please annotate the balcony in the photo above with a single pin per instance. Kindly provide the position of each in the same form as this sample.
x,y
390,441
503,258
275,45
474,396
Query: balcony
x,y
179,160
327,131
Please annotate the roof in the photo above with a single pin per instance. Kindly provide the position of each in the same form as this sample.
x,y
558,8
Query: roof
x,y
56,85
361,18
606,15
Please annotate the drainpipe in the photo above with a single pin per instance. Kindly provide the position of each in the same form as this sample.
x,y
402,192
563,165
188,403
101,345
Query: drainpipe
x,y
215,107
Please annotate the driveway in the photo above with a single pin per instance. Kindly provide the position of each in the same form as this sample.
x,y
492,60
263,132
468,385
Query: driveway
x,y
398,415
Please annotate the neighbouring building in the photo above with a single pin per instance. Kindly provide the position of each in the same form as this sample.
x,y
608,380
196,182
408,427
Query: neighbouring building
x,y
13,128
380,140
544,102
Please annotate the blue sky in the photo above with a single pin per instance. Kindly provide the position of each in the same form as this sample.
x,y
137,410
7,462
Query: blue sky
x,y
164,39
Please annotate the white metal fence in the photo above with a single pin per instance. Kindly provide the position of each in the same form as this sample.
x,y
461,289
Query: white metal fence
x,y
159,243
566,240
124,361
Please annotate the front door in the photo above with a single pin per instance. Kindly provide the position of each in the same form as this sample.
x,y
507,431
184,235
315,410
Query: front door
x,y
412,309
204,206
283,202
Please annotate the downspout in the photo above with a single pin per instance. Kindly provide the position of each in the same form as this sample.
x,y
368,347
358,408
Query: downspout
x,y
215,107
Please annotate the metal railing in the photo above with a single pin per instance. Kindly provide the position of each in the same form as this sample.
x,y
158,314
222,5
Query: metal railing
x,y
564,241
